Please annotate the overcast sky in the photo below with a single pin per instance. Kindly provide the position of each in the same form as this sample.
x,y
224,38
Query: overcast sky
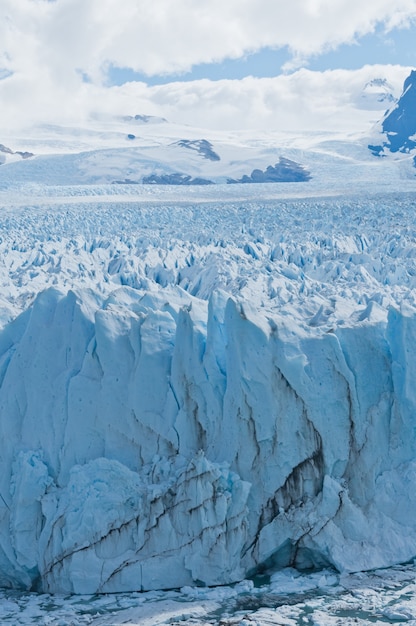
x,y
218,63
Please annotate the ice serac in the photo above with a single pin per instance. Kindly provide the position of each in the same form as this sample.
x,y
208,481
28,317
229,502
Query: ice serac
x,y
155,440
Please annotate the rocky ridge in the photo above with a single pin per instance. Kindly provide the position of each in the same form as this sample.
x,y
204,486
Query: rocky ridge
x,y
399,122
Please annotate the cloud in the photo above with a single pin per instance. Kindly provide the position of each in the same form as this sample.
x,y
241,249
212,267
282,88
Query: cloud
x,y
302,101
54,54
162,36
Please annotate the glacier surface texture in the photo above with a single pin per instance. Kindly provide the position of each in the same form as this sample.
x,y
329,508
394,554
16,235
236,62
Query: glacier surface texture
x,y
190,394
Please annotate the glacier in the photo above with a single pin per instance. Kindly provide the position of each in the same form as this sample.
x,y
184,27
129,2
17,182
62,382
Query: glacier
x,y
193,393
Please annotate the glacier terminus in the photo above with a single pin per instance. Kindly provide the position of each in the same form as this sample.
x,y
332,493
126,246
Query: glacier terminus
x,y
193,393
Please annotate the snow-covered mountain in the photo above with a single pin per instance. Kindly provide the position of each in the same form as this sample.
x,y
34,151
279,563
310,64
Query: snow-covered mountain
x,y
398,126
170,154
375,92
168,157
159,154
400,123
141,149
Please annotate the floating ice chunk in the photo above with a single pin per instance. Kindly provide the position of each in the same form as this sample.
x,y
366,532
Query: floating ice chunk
x,y
399,612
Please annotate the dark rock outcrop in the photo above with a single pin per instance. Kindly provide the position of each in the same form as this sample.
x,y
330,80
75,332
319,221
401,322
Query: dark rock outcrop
x,y
126,181
377,90
165,179
174,179
144,119
285,171
201,146
6,150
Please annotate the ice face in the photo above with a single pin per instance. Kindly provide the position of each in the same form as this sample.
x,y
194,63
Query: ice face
x,y
192,410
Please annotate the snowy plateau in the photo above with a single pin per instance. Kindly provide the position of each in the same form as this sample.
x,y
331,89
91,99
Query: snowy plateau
x,y
207,384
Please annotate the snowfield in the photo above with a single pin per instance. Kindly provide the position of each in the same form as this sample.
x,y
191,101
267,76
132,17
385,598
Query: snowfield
x,y
201,385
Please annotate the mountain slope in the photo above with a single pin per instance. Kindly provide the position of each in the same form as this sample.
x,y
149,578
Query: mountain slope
x,y
398,127
400,122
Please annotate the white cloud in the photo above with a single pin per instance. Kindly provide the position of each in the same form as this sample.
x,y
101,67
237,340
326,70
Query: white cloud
x,y
164,36
304,100
51,45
